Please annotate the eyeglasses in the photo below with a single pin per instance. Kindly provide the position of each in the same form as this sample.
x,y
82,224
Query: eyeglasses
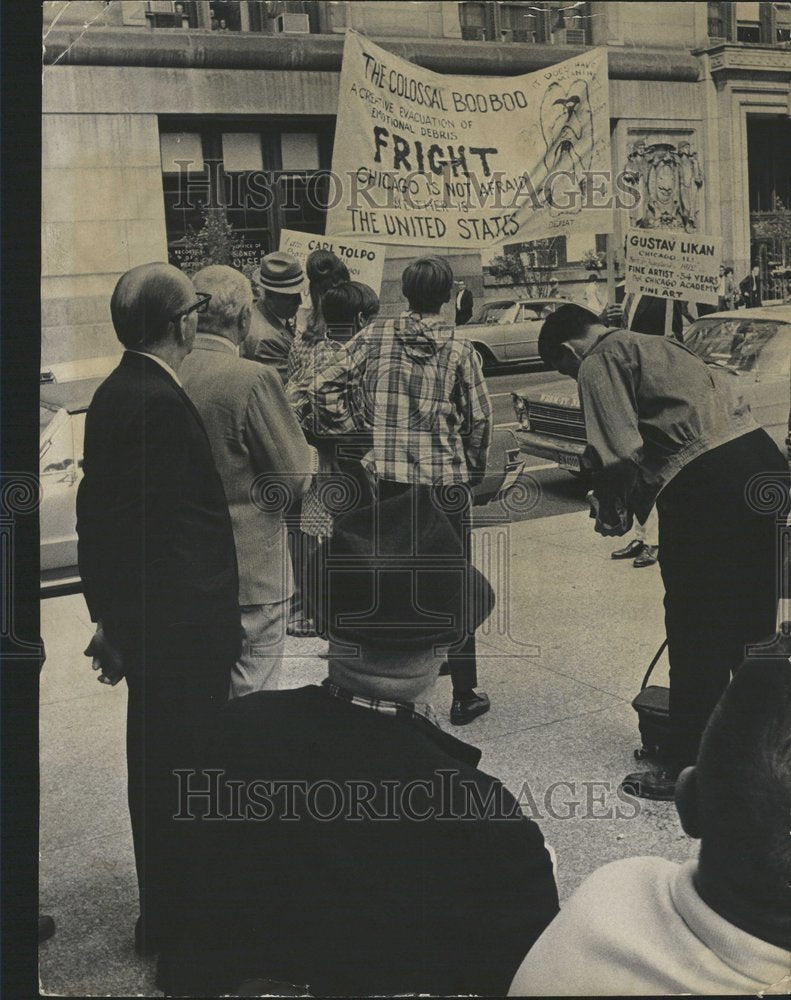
x,y
199,307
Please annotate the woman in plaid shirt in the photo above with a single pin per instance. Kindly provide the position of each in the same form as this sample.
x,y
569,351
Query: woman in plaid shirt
x,y
420,391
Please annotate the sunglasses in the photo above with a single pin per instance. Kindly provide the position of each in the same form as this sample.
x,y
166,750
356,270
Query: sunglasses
x,y
199,307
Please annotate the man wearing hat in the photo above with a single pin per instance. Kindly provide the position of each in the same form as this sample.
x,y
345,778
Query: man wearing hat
x,y
279,282
378,858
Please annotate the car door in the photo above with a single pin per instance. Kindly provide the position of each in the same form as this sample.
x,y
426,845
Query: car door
x,y
521,335
490,327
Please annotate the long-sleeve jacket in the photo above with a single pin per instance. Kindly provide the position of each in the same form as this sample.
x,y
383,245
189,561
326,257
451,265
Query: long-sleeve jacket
x,y
156,548
261,455
651,406
420,390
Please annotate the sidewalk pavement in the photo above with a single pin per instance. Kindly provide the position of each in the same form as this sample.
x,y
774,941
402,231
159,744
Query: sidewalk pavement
x,y
561,658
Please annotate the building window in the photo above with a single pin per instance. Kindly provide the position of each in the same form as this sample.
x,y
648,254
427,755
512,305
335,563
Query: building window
x,y
224,16
172,14
782,12
570,25
265,16
721,21
521,23
473,18
528,21
262,175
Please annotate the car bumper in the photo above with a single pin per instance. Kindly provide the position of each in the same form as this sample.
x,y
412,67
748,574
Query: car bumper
x,y
567,454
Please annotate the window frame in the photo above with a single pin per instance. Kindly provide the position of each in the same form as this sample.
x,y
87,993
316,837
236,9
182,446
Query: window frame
x,y
217,181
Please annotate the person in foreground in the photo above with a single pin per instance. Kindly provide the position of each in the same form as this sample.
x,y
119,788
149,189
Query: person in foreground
x,y
718,925
157,561
420,390
258,447
375,857
661,429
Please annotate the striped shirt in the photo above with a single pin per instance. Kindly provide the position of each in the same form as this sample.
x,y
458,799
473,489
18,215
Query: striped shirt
x,y
422,394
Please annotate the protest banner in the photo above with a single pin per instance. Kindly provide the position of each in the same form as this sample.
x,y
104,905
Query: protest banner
x,y
365,261
439,160
673,264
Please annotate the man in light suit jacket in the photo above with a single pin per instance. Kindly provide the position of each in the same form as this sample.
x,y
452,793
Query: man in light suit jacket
x,y
158,565
263,460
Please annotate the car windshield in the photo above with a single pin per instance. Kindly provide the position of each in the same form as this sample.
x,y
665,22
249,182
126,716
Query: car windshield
x,y
742,345
496,312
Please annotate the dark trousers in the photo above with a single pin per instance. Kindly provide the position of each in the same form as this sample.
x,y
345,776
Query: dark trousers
x,y
462,661
718,561
177,683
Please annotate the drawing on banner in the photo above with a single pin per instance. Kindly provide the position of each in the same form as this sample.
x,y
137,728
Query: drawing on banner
x,y
567,127
474,162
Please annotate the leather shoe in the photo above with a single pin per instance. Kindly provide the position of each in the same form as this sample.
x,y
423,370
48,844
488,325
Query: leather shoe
x,y
634,548
648,557
147,944
464,710
658,783
46,927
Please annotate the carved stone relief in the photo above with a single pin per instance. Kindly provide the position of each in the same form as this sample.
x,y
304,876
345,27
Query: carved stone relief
x,y
669,178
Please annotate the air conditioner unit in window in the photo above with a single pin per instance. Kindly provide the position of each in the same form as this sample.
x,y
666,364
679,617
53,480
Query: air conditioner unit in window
x,y
569,36
292,24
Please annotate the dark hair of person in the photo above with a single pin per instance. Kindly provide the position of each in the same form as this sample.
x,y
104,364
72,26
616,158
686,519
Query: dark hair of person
x,y
728,270
370,307
324,270
341,305
744,783
427,284
144,302
564,324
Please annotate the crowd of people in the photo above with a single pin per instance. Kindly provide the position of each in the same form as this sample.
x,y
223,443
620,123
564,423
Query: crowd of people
x,y
257,467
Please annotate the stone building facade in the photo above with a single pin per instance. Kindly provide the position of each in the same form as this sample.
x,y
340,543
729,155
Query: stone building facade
x,y
700,105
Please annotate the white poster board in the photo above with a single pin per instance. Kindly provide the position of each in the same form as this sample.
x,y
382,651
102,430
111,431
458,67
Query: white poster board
x,y
365,261
672,264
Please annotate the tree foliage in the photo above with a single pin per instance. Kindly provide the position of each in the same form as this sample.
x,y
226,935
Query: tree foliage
x,y
215,242
529,266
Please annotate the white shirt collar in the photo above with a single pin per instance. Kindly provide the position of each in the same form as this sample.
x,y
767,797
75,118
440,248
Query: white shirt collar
x,y
162,364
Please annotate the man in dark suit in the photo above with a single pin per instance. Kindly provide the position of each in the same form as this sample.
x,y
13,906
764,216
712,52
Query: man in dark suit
x,y
157,561
463,303
369,854
751,288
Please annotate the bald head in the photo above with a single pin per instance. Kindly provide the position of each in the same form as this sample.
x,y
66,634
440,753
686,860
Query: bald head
x,y
228,314
144,302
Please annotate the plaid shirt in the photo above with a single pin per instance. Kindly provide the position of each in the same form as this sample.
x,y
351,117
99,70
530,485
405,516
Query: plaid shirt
x,y
420,391
406,709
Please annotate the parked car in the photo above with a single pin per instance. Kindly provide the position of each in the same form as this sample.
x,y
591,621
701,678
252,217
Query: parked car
x,y
65,393
505,331
748,350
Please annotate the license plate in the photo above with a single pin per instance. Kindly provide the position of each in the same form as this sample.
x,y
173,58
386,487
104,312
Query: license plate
x,y
558,399
570,462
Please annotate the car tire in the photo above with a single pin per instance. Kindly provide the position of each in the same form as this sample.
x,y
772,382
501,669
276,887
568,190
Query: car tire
x,y
486,358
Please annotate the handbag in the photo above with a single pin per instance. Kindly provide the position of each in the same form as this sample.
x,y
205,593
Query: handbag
x,y
652,705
